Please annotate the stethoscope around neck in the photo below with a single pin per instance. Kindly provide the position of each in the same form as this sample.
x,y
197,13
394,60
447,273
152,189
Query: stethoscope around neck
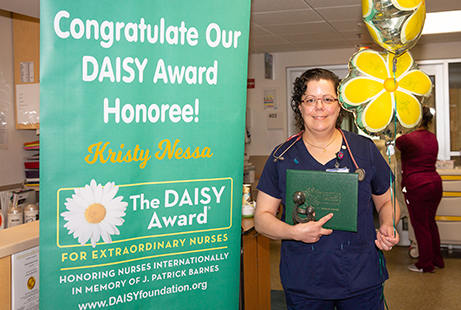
x,y
299,135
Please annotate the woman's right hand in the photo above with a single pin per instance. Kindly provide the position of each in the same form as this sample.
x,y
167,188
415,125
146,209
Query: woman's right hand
x,y
311,232
270,226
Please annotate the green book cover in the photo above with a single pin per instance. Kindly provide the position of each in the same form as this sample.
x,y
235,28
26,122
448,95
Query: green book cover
x,y
326,192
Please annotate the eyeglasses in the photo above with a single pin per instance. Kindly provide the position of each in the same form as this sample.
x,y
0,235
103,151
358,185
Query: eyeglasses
x,y
326,100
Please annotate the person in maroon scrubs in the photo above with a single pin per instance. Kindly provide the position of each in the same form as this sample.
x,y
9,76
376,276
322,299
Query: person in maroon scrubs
x,y
422,187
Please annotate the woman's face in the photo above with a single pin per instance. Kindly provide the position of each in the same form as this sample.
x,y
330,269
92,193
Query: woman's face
x,y
319,116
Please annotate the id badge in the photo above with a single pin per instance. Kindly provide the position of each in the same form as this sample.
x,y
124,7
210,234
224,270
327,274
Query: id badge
x,y
345,169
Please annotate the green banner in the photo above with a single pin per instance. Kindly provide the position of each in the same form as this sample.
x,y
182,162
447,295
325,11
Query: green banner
x,y
142,141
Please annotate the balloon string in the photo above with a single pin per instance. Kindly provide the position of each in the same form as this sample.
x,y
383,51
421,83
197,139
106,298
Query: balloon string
x,y
392,186
394,70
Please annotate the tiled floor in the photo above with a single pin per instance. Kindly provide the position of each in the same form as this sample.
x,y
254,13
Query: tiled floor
x,y
405,290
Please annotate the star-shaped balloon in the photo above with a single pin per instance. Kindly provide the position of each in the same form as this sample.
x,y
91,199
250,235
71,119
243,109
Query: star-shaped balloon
x,y
395,25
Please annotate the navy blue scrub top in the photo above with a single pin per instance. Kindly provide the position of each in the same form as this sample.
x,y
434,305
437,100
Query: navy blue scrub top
x,y
343,264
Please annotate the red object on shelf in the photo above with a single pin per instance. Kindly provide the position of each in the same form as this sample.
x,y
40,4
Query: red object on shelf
x,y
32,143
31,164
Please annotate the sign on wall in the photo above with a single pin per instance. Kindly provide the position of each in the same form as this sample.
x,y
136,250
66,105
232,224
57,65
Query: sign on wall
x,y
142,134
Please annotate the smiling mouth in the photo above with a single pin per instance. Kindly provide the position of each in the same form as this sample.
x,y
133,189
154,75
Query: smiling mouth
x,y
319,117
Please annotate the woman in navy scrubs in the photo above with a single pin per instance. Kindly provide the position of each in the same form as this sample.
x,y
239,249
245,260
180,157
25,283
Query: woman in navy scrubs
x,y
321,268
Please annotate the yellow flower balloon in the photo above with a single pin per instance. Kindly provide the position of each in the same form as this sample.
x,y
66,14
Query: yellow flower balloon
x,y
381,89
395,25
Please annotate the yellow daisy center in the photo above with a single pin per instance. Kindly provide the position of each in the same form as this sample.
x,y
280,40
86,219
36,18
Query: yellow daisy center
x,y
95,213
390,85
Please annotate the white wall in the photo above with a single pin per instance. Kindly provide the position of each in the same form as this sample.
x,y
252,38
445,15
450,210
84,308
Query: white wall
x,y
12,154
263,140
24,7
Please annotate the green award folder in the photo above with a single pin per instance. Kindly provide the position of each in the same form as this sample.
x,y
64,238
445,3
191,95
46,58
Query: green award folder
x,y
325,192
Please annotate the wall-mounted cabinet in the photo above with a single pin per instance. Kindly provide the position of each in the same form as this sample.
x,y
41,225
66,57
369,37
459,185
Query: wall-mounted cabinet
x,y
26,49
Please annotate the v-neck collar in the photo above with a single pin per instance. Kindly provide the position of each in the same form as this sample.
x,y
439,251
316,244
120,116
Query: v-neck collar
x,y
310,162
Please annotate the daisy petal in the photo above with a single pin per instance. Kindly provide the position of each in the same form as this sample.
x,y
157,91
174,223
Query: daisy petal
x,y
406,5
106,237
117,232
408,109
78,200
110,190
404,63
367,5
374,32
359,90
116,204
115,213
371,63
84,236
97,193
414,25
87,195
416,82
96,233
378,113
107,227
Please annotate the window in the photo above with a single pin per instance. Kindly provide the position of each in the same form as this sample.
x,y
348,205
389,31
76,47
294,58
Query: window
x,y
454,76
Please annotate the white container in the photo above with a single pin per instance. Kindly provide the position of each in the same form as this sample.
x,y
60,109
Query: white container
x,y
30,213
246,194
15,216
445,164
248,210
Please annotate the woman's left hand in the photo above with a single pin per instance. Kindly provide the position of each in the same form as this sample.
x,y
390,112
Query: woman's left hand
x,y
389,215
386,237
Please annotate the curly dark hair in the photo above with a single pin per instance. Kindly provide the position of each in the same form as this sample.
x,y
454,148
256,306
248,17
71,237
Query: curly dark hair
x,y
427,117
300,86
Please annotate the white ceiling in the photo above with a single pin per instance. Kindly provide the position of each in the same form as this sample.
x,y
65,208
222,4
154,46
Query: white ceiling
x,y
297,25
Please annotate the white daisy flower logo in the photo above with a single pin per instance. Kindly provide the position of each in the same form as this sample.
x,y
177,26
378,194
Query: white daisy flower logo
x,y
94,212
